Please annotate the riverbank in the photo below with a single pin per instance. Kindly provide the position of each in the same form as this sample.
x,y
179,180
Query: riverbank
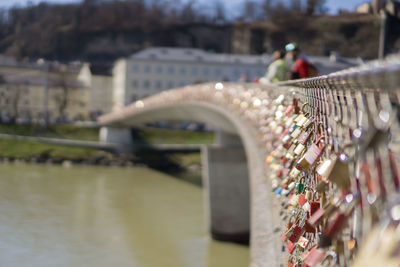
x,y
184,164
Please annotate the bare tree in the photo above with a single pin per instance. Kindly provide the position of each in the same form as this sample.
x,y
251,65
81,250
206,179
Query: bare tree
x,y
14,99
220,12
316,7
61,98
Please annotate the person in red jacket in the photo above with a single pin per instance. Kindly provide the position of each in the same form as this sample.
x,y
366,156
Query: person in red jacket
x,y
300,66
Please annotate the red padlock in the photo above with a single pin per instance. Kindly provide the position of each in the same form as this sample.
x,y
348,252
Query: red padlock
x,y
314,257
302,200
290,247
297,231
314,206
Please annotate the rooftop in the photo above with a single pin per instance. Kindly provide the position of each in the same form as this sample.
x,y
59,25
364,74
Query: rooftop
x,y
193,54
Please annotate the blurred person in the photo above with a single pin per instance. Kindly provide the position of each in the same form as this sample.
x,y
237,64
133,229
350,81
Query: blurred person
x,y
278,70
243,78
300,67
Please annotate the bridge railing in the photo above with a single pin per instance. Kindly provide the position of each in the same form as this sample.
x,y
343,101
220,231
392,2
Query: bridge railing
x,y
331,147
333,161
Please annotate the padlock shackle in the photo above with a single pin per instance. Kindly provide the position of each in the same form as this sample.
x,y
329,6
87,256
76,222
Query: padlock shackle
x,y
319,139
330,254
303,107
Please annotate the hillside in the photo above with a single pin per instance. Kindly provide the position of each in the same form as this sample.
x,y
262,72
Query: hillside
x,y
104,31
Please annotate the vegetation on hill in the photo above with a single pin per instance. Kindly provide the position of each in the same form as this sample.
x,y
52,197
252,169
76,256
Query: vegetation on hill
x,y
101,31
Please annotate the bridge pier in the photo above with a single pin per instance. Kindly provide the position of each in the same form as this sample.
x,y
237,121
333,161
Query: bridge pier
x,y
114,135
226,188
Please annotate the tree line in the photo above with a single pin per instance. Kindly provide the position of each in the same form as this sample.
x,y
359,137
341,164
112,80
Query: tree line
x,y
105,30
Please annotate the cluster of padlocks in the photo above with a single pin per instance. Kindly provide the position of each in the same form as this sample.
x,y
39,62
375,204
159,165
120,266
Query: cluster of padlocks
x,y
337,182
332,153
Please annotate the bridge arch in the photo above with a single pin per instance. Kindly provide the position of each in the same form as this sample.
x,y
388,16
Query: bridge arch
x,y
206,107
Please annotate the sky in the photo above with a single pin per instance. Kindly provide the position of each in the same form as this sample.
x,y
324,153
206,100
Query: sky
x,y
333,5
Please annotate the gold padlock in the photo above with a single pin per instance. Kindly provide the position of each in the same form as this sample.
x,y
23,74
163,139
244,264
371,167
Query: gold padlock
x,y
299,149
335,170
301,116
296,133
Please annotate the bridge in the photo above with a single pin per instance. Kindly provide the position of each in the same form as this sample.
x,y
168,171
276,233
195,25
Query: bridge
x,y
240,179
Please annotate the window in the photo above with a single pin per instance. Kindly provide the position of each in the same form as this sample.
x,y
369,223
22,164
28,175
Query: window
x,y
194,70
170,85
217,72
147,69
182,83
135,83
183,70
158,84
146,84
159,69
135,68
171,70
206,71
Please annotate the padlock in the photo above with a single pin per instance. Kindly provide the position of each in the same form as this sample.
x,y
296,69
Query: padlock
x,y
293,200
294,173
301,116
303,242
270,158
290,152
302,121
313,256
304,137
296,233
340,219
296,133
295,104
300,187
336,171
308,194
314,206
290,247
299,149
298,118
302,200
321,213
283,237
308,122
330,259
286,139
311,156
288,110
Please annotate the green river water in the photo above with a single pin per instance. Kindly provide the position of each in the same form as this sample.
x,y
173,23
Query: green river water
x,y
98,216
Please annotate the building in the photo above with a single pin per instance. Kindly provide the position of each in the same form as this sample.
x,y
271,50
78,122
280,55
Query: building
x,y
376,6
100,83
364,8
24,88
157,69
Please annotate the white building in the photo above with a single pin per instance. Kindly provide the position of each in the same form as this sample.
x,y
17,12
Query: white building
x,y
153,70
100,83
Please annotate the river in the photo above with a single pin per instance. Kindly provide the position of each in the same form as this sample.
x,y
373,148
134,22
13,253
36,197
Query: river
x,y
98,216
